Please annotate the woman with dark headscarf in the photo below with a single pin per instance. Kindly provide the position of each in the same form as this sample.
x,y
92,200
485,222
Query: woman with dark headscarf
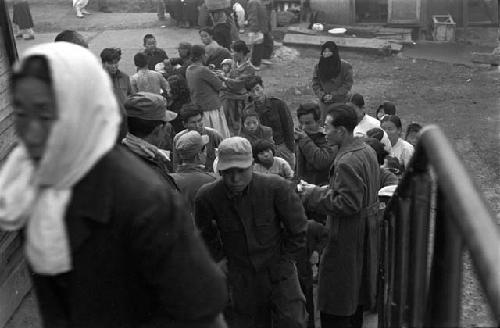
x,y
332,78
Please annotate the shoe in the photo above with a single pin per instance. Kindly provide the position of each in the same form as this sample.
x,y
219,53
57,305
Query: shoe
x,y
85,12
19,36
29,37
266,62
79,13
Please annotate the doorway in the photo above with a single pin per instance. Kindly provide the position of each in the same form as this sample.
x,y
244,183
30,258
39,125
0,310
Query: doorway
x,y
371,11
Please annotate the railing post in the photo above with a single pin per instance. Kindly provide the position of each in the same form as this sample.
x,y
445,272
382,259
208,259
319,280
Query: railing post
x,y
446,271
401,262
419,239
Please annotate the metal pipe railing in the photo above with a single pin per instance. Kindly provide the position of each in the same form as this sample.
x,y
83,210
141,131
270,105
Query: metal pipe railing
x,y
471,215
422,284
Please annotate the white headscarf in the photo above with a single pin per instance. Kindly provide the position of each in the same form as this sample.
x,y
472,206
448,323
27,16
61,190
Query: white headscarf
x,y
86,128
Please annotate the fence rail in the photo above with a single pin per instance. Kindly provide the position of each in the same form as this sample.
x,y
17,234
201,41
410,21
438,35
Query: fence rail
x,y
436,213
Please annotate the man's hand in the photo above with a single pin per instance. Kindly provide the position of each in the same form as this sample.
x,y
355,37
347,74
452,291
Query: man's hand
x,y
223,266
327,98
298,133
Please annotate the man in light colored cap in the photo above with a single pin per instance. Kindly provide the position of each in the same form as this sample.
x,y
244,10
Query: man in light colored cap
x,y
149,135
190,173
259,230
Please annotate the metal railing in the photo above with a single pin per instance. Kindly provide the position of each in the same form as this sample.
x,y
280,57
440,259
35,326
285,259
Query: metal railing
x,y
436,213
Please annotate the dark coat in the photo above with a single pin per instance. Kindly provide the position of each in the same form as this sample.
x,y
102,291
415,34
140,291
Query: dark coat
x,y
258,228
351,203
189,178
155,56
314,158
137,261
258,18
339,86
22,15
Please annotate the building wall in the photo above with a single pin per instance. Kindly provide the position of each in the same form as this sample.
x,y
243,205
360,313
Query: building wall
x,y
334,11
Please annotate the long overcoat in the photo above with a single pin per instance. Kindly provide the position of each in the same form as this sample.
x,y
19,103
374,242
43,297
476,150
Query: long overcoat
x,y
351,203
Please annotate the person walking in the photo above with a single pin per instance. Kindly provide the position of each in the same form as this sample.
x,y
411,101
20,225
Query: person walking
x,y
260,37
204,86
23,22
108,244
262,227
351,202
332,78
80,8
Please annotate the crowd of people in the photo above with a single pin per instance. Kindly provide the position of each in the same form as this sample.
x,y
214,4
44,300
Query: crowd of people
x,y
186,195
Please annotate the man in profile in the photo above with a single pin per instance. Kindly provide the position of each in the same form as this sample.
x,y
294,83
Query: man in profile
x,y
346,287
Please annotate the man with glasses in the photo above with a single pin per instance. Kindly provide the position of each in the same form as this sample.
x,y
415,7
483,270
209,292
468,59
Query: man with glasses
x,y
346,283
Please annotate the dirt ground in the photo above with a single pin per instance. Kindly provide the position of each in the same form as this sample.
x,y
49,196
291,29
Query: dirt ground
x,y
463,100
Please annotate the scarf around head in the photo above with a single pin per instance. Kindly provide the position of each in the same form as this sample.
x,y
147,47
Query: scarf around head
x,y
329,68
36,196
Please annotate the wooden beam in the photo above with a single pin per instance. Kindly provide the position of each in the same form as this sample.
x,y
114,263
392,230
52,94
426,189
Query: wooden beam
x,y
353,43
486,58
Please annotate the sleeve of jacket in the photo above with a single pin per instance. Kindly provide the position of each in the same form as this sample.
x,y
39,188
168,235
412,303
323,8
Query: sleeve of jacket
x,y
321,158
292,215
239,82
316,84
253,16
184,280
287,124
347,80
212,80
133,85
344,196
205,221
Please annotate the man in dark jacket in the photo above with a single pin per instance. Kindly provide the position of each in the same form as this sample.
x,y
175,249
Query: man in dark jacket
x,y
351,203
146,116
274,113
154,54
191,174
314,155
262,226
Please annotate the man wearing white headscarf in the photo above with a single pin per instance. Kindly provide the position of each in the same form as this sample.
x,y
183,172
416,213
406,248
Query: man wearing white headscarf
x,y
107,241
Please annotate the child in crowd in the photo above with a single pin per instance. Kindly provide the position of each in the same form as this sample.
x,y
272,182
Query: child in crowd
x,y
387,108
146,79
265,161
253,130
401,149
412,133
227,64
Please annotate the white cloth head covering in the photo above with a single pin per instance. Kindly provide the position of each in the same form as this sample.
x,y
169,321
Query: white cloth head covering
x,y
86,129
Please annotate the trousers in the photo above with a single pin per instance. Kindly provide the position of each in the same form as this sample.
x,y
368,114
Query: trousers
x,y
268,298
337,321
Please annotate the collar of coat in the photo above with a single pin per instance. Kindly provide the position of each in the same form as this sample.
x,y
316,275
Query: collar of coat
x,y
356,144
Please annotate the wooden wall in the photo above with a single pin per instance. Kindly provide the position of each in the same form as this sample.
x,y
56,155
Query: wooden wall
x,y
14,276
334,11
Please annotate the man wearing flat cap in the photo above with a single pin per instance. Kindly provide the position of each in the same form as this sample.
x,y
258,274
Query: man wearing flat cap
x,y
147,117
262,229
191,174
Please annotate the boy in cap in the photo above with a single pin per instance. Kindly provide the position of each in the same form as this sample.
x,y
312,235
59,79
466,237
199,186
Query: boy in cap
x,y
191,174
192,118
262,227
146,117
